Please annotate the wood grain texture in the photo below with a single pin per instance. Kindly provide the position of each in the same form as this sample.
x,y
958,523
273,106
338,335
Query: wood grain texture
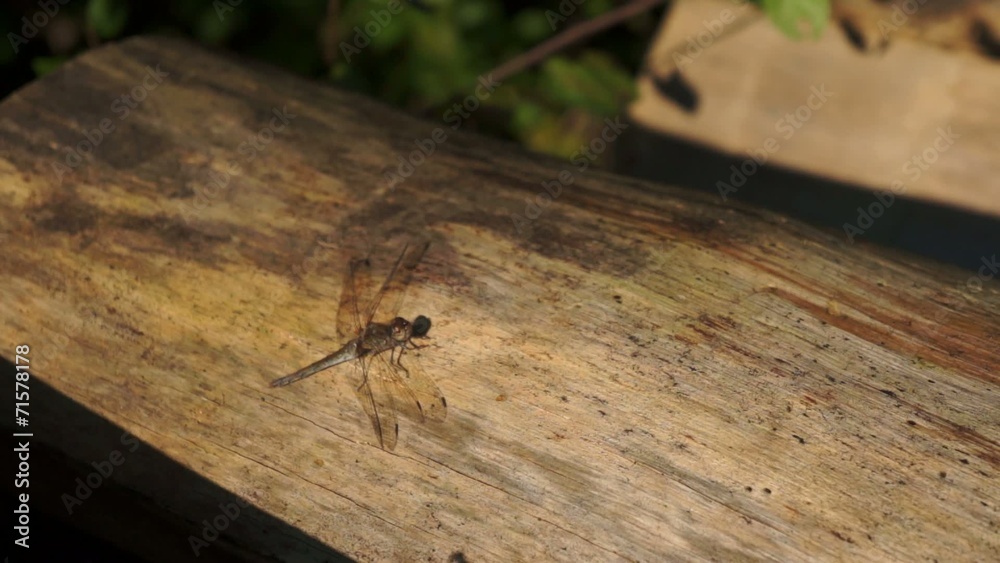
x,y
911,117
640,374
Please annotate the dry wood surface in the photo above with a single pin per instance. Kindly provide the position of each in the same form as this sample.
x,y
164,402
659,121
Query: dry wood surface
x,y
640,373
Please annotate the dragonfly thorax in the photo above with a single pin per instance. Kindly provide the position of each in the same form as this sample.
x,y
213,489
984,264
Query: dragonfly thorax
x,y
402,330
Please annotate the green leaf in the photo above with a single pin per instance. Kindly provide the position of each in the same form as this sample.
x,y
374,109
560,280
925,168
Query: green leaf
x,y
594,8
531,26
594,83
790,16
470,14
107,17
527,117
212,29
7,53
45,65
565,82
618,83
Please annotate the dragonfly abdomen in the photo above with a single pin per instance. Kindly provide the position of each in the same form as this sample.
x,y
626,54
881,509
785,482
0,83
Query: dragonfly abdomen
x,y
348,352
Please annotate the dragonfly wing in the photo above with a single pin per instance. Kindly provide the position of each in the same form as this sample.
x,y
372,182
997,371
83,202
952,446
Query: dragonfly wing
x,y
351,311
394,288
426,391
416,395
377,402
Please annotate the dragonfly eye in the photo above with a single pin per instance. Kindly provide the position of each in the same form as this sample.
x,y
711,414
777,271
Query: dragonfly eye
x,y
421,325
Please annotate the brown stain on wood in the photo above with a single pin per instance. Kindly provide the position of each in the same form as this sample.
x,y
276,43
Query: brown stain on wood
x,y
964,358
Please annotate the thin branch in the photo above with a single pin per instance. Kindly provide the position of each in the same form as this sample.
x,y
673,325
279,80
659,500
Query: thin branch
x,y
572,35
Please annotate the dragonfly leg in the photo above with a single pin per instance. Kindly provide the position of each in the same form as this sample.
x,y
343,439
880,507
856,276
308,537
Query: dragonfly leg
x,y
412,343
399,360
364,379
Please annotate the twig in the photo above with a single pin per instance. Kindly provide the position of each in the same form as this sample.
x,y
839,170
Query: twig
x,y
572,35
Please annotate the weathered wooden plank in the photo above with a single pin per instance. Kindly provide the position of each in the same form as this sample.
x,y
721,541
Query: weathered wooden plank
x,y
640,373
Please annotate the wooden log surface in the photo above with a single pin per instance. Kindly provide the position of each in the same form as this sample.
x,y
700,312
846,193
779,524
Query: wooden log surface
x,y
640,373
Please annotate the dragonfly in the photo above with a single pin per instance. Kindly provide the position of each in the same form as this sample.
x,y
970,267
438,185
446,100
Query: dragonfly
x,y
375,349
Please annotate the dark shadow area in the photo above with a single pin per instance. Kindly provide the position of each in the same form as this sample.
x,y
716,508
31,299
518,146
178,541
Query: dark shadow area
x,y
988,42
53,540
677,89
935,231
79,510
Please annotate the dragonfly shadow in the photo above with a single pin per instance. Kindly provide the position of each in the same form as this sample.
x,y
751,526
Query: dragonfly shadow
x,y
464,440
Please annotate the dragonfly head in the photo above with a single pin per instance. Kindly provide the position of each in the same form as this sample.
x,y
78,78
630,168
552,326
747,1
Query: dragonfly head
x,y
403,330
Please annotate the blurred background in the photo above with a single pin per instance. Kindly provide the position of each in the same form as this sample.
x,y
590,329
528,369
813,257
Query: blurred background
x,y
724,96
422,59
